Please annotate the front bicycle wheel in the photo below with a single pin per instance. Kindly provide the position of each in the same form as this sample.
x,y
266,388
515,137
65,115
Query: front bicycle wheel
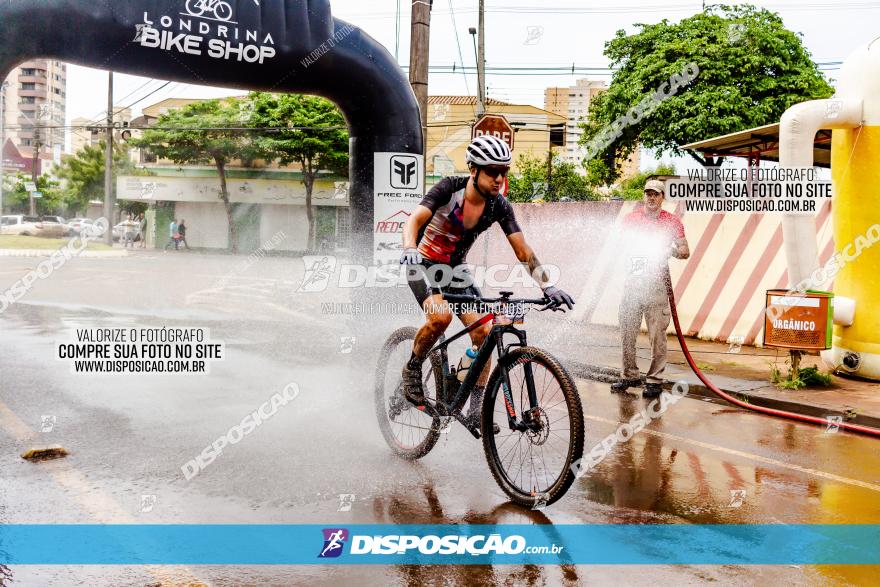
x,y
533,466
195,7
410,432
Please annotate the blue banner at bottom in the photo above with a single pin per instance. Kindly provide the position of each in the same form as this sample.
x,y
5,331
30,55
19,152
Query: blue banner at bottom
x,y
776,544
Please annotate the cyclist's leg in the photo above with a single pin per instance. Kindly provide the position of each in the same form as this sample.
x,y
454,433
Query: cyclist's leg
x,y
438,316
478,336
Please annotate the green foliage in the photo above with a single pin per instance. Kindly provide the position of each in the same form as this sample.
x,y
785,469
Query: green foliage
x,y
565,182
751,69
317,138
811,376
633,188
83,174
204,132
211,132
200,133
806,377
16,198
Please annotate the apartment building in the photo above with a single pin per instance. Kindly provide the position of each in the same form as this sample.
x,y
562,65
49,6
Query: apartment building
x,y
34,109
573,103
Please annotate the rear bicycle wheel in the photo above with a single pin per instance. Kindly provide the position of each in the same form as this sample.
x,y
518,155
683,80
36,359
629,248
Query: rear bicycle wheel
x,y
533,466
410,432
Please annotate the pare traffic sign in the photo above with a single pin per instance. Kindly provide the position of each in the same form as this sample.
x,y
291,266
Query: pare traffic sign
x,y
494,125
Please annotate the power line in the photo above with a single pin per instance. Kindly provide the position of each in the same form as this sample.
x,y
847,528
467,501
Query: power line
x,y
460,54
630,8
98,120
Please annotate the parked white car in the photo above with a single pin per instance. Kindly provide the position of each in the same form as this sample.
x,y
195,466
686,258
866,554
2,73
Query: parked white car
x,y
129,226
77,224
55,224
19,224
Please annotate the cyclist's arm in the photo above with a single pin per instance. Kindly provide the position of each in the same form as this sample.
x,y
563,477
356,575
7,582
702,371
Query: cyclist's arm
x,y
420,216
527,257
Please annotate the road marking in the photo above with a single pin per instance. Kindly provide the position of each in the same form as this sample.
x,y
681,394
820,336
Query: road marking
x,y
747,455
91,500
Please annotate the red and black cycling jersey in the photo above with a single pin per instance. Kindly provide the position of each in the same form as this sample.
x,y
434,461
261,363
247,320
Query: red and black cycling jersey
x,y
444,239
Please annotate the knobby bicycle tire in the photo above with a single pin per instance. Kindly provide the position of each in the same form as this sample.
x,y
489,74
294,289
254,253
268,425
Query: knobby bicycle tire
x,y
576,433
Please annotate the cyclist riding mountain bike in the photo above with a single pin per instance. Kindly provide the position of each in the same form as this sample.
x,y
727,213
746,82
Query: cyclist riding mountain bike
x,y
438,235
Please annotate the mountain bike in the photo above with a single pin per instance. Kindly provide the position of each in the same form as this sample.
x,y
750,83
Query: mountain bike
x,y
531,421
220,9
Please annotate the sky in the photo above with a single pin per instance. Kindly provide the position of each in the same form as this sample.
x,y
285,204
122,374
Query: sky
x,y
519,33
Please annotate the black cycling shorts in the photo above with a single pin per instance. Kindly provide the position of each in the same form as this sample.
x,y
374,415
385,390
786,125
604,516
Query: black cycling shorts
x,y
430,278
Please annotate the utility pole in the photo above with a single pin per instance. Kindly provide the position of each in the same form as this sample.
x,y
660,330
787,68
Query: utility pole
x,y
109,202
481,62
2,139
418,59
34,162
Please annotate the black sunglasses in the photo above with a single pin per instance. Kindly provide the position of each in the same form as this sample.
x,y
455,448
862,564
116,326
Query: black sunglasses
x,y
494,172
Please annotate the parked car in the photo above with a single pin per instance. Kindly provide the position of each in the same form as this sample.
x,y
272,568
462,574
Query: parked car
x,y
19,224
78,224
51,221
119,230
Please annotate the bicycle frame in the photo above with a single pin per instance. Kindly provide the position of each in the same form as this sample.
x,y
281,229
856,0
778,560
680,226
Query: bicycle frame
x,y
494,341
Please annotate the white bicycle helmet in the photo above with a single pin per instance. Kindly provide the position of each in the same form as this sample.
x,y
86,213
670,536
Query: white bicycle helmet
x,y
488,150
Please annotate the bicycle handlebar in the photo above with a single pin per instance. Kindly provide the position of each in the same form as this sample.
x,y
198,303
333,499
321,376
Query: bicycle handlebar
x,y
465,299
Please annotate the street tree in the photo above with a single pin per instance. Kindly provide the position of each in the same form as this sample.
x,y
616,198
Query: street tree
x,y
204,132
16,198
633,188
530,184
82,175
309,131
750,70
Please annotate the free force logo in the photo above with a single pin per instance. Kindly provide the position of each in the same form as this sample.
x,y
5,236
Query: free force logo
x,y
403,172
334,541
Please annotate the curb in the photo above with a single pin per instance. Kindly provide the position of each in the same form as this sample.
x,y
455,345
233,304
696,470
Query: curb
x,y
698,390
49,252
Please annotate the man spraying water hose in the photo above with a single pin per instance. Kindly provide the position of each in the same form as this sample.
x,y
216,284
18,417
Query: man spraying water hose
x,y
652,235
438,235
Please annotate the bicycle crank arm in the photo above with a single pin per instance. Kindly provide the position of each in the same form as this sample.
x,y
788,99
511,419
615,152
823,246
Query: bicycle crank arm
x,y
472,428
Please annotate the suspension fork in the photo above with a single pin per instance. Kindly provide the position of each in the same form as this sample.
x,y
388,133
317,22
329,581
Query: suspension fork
x,y
505,379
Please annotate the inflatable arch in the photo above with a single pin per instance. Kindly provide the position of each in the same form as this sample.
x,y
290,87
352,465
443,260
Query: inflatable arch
x,y
290,46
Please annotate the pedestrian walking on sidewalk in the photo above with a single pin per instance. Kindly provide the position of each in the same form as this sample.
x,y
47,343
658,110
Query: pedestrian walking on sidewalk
x,y
652,235
181,230
142,230
173,236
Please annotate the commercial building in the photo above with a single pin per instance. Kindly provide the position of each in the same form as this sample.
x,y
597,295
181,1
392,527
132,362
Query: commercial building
x,y
34,108
450,119
267,198
91,131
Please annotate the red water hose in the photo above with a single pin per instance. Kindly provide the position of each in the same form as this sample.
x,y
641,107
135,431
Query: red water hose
x,y
770,411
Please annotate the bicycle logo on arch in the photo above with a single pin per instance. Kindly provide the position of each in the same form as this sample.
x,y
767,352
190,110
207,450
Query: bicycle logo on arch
x,y
216,9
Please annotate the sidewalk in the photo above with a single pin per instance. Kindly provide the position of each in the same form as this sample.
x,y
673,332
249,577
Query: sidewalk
x,y
746,375
49,252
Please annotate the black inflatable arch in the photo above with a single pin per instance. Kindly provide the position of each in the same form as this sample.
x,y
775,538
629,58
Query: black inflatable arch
x,y
293,46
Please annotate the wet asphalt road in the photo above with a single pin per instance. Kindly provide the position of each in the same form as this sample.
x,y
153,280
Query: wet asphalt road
x,y
129,435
